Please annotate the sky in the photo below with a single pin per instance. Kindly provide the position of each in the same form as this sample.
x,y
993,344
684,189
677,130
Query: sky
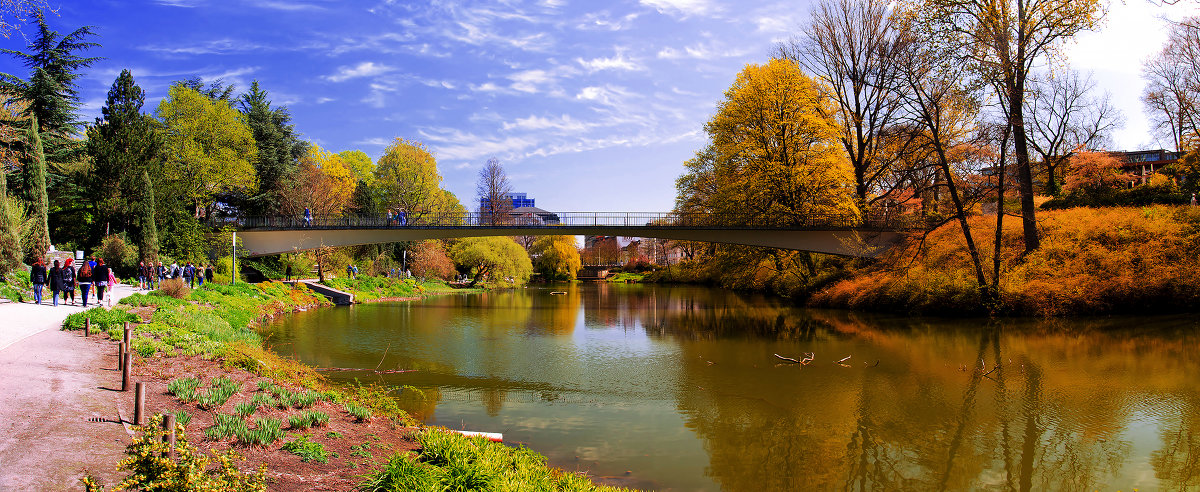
x,y
589,106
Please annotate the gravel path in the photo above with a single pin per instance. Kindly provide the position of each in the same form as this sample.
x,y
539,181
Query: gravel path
x,y
60,405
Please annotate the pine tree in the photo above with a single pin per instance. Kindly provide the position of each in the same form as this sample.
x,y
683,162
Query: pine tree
x,y
41,205
122,145
279,148
51,91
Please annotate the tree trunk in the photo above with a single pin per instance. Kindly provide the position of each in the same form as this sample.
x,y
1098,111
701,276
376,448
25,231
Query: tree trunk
x,y
1016,101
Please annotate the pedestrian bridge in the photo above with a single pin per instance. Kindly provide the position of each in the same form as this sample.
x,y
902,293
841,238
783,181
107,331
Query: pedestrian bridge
x,y
833,234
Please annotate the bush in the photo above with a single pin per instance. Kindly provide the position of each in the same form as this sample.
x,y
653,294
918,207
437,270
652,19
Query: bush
x,y
102,319
118,254
173,287
190,470
307,450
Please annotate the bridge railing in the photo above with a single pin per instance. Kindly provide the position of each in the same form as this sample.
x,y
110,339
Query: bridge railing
x,y
570,219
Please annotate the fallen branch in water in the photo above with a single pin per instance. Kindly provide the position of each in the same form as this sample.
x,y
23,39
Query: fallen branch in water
x,y
808,357
844,359
391,371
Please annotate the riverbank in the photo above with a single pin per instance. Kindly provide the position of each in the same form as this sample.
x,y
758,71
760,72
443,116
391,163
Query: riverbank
x,y
202,361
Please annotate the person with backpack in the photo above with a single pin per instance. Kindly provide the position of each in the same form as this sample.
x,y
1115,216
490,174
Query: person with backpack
x,y
173,272
68,281
208,273
200,269
55,281
85,281
37,277
141,275
100,275
189,275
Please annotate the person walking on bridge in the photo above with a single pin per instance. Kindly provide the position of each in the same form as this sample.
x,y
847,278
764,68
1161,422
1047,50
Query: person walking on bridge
x,y
307,217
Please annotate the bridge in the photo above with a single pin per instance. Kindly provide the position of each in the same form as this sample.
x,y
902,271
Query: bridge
x,y
843,235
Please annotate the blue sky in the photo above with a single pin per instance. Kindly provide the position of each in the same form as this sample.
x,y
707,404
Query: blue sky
x,y
588,105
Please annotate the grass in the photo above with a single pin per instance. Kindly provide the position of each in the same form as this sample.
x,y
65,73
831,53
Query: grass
x,y
624,277
245,409
184,388
453,462
308,451
308,418
360,413
219,392
1092,261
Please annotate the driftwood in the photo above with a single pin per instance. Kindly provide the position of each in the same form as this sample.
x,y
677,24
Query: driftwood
x,y
804,360
844,359
390,371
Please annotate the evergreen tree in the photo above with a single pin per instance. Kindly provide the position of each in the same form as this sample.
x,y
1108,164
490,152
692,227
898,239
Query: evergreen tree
x,y
148,228
10,246
51,92
279,148
40,243
123,144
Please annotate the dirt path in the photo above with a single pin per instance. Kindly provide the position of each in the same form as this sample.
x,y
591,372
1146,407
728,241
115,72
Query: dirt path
x,y
60,405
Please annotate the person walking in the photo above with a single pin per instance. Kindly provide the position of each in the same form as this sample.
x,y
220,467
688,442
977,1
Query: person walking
x,y
188,275
141,275
173,272
55,281
68,281
161,272
208,274
112,284
37,277
287,274
307,217
100,275
349,271
201,269
85,281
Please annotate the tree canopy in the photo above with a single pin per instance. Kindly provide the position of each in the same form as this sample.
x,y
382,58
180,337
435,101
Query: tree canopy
x,y
493,260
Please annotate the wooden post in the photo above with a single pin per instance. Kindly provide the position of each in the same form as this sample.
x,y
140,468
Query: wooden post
x,y
126,370
169,426
87,327
139,405
126,338
120,356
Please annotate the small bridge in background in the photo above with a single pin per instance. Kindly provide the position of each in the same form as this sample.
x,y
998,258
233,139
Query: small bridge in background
x,y
843,235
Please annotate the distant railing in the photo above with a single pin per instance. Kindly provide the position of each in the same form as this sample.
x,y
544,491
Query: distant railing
x,y
668,220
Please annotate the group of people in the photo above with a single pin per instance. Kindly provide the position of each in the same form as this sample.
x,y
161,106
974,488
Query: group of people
x,y
150,276
63,279
399,218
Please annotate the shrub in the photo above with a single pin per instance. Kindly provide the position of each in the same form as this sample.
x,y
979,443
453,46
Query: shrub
x,y
173,287
225,426
308,419
265,432
118,253
360,413
102,319
190,470
307,450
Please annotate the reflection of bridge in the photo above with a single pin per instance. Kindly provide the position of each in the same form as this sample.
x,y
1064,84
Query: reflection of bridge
x,y
834,234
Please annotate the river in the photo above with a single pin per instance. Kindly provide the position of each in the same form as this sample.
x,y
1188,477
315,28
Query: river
x,y
679,388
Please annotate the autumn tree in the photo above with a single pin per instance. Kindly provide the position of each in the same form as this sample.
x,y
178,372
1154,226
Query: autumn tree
x,y
850,47
279,146
1094,172
1003,40
776,149
493,191
323,183
556,257
15,12
429,260
407,179
495,260
210,147
1065,119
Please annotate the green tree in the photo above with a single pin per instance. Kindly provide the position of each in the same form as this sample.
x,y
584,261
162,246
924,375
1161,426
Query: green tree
x,y
51,93
40,234
210,147
1004,40
10,245
147,223
407,178
123,144
556,257
493,260
279,147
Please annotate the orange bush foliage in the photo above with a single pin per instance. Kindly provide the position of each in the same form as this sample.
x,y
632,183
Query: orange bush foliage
x,y
1092,261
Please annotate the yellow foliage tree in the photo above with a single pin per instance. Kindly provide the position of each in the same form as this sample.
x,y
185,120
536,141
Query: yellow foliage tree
x,y
775,149
210,146
407,178
556,257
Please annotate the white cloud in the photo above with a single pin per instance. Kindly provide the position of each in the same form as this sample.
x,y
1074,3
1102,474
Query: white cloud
x,y
375,141
230,76
605,22
286,5
323,100
377,96
616,62
684,8
529,80
454,144
216,46
364,69
563,123
700,51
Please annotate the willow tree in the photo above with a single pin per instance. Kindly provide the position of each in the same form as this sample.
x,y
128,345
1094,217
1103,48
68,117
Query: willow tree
x,y
556,257
407,179
1004,40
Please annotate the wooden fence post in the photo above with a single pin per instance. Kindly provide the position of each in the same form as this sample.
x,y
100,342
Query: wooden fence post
x,y
169,426
87,327
139,405
126,370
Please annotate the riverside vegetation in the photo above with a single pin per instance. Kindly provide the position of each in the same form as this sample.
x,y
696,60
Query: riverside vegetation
x,y
214,324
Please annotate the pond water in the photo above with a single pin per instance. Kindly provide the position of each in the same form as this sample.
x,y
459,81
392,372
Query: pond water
x,y
679,388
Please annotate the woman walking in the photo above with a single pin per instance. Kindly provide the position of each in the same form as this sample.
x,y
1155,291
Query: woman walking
x,y
55,281
68,281
100,274
37,276
85,281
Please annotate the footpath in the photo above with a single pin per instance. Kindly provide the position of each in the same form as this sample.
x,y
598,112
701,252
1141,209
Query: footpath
x,y
62,414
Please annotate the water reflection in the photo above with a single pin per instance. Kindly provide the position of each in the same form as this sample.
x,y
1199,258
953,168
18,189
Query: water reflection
x,y
680,386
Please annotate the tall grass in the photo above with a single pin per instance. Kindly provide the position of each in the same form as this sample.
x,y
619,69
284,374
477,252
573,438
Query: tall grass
x,y
1092,261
